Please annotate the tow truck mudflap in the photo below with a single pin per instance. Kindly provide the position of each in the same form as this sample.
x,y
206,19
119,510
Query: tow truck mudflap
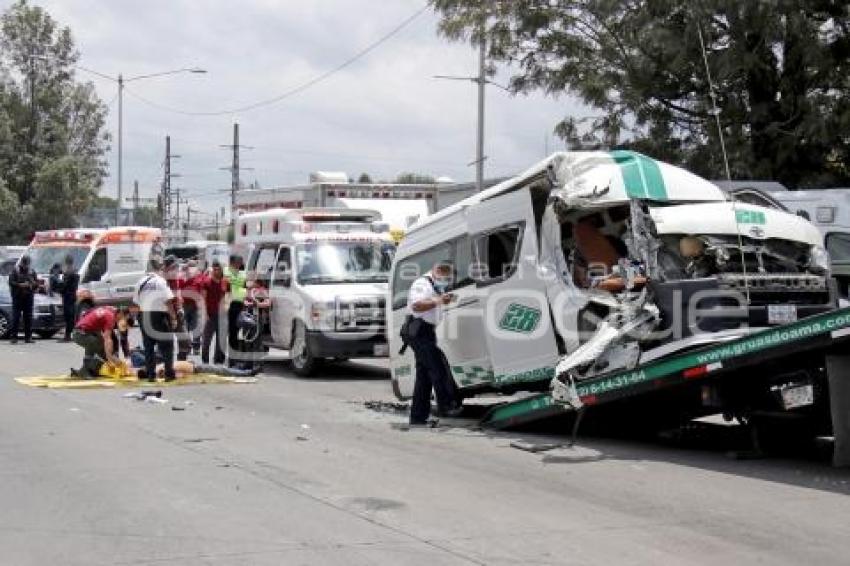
x,y
824,332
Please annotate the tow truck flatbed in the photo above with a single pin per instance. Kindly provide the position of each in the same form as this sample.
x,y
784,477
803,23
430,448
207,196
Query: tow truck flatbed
x,y
823,332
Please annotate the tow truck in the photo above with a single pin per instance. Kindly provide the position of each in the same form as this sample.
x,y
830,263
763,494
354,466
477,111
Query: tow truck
x,y
807,361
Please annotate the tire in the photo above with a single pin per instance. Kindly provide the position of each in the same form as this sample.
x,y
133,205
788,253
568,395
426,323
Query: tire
x,y
46,334
304,363
5,325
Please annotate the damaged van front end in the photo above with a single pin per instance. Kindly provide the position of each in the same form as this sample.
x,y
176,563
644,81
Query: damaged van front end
x,y
644,268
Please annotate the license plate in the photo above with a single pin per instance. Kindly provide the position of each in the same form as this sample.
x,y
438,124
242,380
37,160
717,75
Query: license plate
x,y
781,314
381,349
799,396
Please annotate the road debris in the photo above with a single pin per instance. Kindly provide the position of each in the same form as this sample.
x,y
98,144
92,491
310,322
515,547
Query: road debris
x,y
394,407
535,447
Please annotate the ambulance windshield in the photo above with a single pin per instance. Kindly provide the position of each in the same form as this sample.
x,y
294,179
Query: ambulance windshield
x,y
43,257
344,262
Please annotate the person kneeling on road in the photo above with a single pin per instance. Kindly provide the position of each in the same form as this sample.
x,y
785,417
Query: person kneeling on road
x,y
94,333
425,301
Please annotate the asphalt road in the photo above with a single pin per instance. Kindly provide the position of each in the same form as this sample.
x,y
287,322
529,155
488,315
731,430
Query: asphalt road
x,y
299,471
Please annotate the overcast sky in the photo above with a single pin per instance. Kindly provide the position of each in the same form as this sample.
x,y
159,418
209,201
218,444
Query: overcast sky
x,y
384,114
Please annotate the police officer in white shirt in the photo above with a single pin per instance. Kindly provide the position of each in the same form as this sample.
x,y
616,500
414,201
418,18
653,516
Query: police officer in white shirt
x,y
424,302
159,321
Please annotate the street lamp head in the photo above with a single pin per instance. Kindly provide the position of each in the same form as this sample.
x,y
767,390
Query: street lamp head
x,y
197,70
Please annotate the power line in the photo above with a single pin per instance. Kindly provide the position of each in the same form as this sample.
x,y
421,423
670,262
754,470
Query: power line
x,y
295,90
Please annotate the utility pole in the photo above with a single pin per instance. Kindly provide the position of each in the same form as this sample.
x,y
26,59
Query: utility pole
x,y
135,202
188,222
482,81
167,191
216,224
166,184
234,169
120,148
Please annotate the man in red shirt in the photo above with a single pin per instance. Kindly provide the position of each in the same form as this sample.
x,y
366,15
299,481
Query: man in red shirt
x,y
93,333
190,294
214,287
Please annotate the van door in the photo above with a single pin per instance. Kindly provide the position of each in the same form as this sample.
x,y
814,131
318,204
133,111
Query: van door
x,y
262,264
281,293
517,322
405,272
96,278
469,359
127,263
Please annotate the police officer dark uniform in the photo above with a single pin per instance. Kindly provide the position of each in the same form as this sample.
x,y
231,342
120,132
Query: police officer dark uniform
x,y
23,284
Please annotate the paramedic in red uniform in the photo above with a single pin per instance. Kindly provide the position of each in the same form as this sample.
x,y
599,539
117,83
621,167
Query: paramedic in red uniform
x,y
94,333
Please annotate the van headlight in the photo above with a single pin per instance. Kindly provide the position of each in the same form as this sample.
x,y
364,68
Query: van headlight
x,y
819,260
322,315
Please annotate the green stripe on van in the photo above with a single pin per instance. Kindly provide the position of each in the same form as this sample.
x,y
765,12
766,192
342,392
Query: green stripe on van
x,y
641,175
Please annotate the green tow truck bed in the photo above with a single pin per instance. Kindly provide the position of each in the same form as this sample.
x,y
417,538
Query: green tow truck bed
x,y
824,332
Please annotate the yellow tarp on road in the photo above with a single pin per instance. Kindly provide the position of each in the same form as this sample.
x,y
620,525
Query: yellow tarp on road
x,y
65,382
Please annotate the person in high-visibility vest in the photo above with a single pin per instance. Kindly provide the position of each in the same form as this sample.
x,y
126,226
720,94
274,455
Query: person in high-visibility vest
x,y
235,275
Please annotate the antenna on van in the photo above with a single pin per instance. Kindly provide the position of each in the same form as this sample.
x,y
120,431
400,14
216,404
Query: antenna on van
x,y
715,110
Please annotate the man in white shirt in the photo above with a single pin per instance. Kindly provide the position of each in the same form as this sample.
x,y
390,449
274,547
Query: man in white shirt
x,y
425,300
159,321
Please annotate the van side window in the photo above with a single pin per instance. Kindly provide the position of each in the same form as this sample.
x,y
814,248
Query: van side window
x,y
838,246
464,264
264,264
97,266
496,253
409,269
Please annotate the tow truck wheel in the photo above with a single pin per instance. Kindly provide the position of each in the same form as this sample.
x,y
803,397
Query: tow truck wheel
x,y
304,363
4,325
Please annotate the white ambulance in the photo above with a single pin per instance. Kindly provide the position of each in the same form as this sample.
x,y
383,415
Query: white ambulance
x,y
110,262
595,261
326,270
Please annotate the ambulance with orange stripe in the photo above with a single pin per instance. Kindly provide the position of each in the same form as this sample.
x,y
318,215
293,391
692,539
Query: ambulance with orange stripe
x,y
110,262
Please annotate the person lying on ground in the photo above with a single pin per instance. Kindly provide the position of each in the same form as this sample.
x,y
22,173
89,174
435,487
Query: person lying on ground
x,y
183,368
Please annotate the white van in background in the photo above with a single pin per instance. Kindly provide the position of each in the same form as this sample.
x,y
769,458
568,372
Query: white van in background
x,y
205,252
110,262
326,270
829,210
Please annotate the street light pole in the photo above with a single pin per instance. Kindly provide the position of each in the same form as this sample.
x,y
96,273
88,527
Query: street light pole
x,y
120,148
121,80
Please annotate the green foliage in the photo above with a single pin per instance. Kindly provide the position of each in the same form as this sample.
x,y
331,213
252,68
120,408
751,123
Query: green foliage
x,y
52,142
414,179
364,178
780,69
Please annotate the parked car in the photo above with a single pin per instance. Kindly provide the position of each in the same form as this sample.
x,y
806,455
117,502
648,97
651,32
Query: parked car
x,y
47,318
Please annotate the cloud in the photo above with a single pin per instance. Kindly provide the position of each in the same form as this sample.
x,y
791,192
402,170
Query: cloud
x,y
383,114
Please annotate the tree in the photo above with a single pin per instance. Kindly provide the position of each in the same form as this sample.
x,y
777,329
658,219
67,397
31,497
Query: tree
x,y
414,179
148,216
364,178
780,70
52,139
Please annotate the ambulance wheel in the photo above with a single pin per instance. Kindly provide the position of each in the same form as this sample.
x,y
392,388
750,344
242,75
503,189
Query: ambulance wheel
x,y
304,363
4,325
47,334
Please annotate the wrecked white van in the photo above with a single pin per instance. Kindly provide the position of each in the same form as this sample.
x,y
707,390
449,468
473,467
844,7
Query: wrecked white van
x,y
591,262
